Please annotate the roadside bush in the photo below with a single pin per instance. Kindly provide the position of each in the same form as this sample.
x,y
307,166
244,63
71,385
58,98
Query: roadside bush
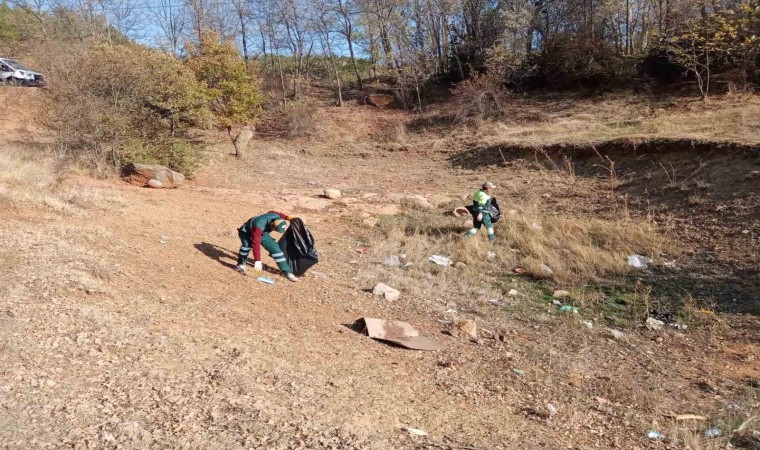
x,y
114,96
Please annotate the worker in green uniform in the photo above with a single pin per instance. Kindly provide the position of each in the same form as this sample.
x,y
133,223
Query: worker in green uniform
x,y
481,210
254,233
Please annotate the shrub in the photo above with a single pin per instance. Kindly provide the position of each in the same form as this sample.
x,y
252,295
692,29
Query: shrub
x,y
299,119
117,94
177,154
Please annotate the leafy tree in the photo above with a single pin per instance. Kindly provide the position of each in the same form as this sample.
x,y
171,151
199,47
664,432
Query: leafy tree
x,y
235,95
115,98
714,39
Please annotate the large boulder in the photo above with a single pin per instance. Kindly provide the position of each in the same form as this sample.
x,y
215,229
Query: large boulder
x,y
141,174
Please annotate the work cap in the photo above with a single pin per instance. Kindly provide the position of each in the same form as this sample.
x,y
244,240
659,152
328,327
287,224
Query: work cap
x,y
488,184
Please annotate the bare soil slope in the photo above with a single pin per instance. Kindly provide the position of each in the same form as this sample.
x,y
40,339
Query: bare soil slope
x,y
124,325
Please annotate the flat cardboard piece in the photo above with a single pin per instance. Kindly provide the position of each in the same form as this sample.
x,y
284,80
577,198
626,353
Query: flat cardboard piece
x,y
398,332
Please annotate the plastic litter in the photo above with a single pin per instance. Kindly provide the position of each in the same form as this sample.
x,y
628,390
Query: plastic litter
x,y
568,308
617,334
518,371
654,324
265,280
415,431
491,255
655,435
552,409
589,324
392,261
638,261
712,433
440,260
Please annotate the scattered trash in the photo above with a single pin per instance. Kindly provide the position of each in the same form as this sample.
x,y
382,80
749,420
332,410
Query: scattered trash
x,y
552,410
679,327
415,431
589,324
397,332
568,308
163,240
319,274
407,264
556,302
450,311
638,261
520,270
514,293
655,435
654,324
265,280
491,255
440,260
518,371
392,261
712,433
536,226
383,290
670,264
664,317
617,334
602,401
546,269
495,302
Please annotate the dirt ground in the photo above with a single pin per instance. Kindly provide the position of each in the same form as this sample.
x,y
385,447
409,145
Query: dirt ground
x,y
124,325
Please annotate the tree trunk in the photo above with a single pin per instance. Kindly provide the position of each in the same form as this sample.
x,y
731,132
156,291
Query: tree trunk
x,y
238,150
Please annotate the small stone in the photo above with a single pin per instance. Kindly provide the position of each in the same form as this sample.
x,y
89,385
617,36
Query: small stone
x,y
332,193
385,291
514,293
460,265
467,327
561,294
155,184
745,231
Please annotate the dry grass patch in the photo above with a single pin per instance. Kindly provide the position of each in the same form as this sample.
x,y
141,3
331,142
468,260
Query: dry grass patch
x,y
565,249
29,178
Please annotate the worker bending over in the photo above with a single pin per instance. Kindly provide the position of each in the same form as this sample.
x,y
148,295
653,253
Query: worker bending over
x,y
254,233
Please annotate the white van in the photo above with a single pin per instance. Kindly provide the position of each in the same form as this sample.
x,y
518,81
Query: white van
x,y
14,73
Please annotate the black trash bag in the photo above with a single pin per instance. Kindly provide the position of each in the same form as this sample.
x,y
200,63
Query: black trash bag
x,y
495,211
297,244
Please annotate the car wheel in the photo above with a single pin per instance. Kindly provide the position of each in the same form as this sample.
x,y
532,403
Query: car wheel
x,y
13,82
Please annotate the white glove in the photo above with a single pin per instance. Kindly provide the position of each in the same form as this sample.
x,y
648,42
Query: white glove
x,y
480,217
257,267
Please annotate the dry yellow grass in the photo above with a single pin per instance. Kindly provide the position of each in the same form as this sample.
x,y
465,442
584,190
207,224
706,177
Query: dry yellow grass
x,y
29,178
570,120
563,249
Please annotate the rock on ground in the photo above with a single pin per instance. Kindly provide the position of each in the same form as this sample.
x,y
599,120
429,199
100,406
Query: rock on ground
x,y
561,294
383,290
465,328
141,174
332,193
155,183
